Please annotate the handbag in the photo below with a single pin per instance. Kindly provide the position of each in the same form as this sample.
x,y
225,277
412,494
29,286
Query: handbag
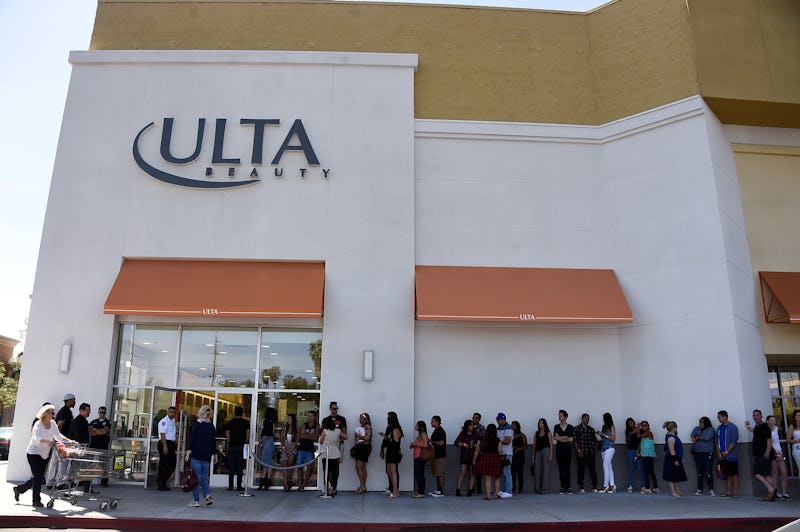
x,y
189,478
428,453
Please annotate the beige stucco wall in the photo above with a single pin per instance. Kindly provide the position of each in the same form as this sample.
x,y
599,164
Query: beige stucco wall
x,y
769,179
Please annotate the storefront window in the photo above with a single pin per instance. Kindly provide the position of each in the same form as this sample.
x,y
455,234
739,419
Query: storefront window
x,y
290,360
784,383
131,412
790,382
147,355
224,356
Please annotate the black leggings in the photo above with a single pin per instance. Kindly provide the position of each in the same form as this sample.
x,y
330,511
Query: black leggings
x,y
518,471
419,475
38,469
333,472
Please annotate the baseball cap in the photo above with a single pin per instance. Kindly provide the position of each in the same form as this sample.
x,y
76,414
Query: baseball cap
x,y
500,415
68,396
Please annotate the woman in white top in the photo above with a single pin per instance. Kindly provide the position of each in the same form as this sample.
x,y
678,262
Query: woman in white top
x,y
779,465
329,443
793,436
43,436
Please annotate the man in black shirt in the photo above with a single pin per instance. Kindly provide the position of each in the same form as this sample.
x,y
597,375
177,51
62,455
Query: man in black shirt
x,y
64,416
339,421
79,431
585,445
100,430
439,441
237,434
762,454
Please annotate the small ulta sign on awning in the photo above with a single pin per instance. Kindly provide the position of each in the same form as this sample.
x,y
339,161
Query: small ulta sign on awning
x,y
545,295
218,288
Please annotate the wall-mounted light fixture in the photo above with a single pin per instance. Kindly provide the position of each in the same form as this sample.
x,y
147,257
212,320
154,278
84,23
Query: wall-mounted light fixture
x,y
368,365
66,352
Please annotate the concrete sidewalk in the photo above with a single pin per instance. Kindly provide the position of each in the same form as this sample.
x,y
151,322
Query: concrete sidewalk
x,y
141,509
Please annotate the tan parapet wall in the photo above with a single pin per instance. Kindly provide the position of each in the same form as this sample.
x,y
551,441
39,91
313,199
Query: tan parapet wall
x,y
769,184
514,65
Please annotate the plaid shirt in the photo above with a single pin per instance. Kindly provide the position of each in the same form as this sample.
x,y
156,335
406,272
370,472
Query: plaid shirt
x,y
585,438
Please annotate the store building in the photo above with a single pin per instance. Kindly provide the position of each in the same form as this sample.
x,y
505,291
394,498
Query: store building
x,y
424,209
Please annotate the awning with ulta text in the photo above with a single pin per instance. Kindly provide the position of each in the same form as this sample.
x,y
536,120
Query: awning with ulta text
x,y
547,295
780,292
218,288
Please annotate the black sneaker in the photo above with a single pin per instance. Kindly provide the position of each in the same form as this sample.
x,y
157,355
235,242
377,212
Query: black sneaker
x,y
16,493
569,491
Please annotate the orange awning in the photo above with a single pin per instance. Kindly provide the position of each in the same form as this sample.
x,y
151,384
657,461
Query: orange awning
x,y
550,295
780,292
218,288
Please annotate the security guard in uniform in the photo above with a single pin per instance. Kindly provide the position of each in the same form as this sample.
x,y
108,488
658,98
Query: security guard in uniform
x,y
166,449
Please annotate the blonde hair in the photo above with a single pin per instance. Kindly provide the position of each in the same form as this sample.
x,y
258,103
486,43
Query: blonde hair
x,y
670,425
45,408
204,412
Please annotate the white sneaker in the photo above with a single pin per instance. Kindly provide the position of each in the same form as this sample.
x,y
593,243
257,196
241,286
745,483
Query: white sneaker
x,y
698,492
630,489
504,495
711,492
209,501
194,504
436,493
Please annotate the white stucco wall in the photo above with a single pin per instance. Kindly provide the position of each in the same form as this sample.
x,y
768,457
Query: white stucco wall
x,y
358,112
640,195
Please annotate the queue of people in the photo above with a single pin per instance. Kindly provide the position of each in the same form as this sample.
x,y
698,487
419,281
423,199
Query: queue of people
x,y
491,458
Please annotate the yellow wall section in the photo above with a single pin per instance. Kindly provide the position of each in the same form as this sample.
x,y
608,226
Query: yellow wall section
x,y
769,180
513,64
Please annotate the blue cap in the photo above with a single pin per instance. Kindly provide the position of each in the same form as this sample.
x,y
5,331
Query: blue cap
x,y
500,415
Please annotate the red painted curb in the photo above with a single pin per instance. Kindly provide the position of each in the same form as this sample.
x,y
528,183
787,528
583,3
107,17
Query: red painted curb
x,y
752,524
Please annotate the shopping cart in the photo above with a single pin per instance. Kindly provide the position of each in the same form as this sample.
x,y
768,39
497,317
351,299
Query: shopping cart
x,y
76,464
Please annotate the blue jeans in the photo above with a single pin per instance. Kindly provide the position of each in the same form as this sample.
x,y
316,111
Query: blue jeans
x,y
508,481
634,467
201,468
702,462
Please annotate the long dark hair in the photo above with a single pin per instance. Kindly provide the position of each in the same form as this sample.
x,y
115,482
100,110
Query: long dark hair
x,y
294,420
543,421
706,422
393,423
465,428
421,427
608,421
490,439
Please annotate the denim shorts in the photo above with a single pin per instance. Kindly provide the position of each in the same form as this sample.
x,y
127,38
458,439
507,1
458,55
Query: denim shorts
x,y
305,457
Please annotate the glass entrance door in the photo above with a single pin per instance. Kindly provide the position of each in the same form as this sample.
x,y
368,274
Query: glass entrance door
x,y
226,405
162,399
279,405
